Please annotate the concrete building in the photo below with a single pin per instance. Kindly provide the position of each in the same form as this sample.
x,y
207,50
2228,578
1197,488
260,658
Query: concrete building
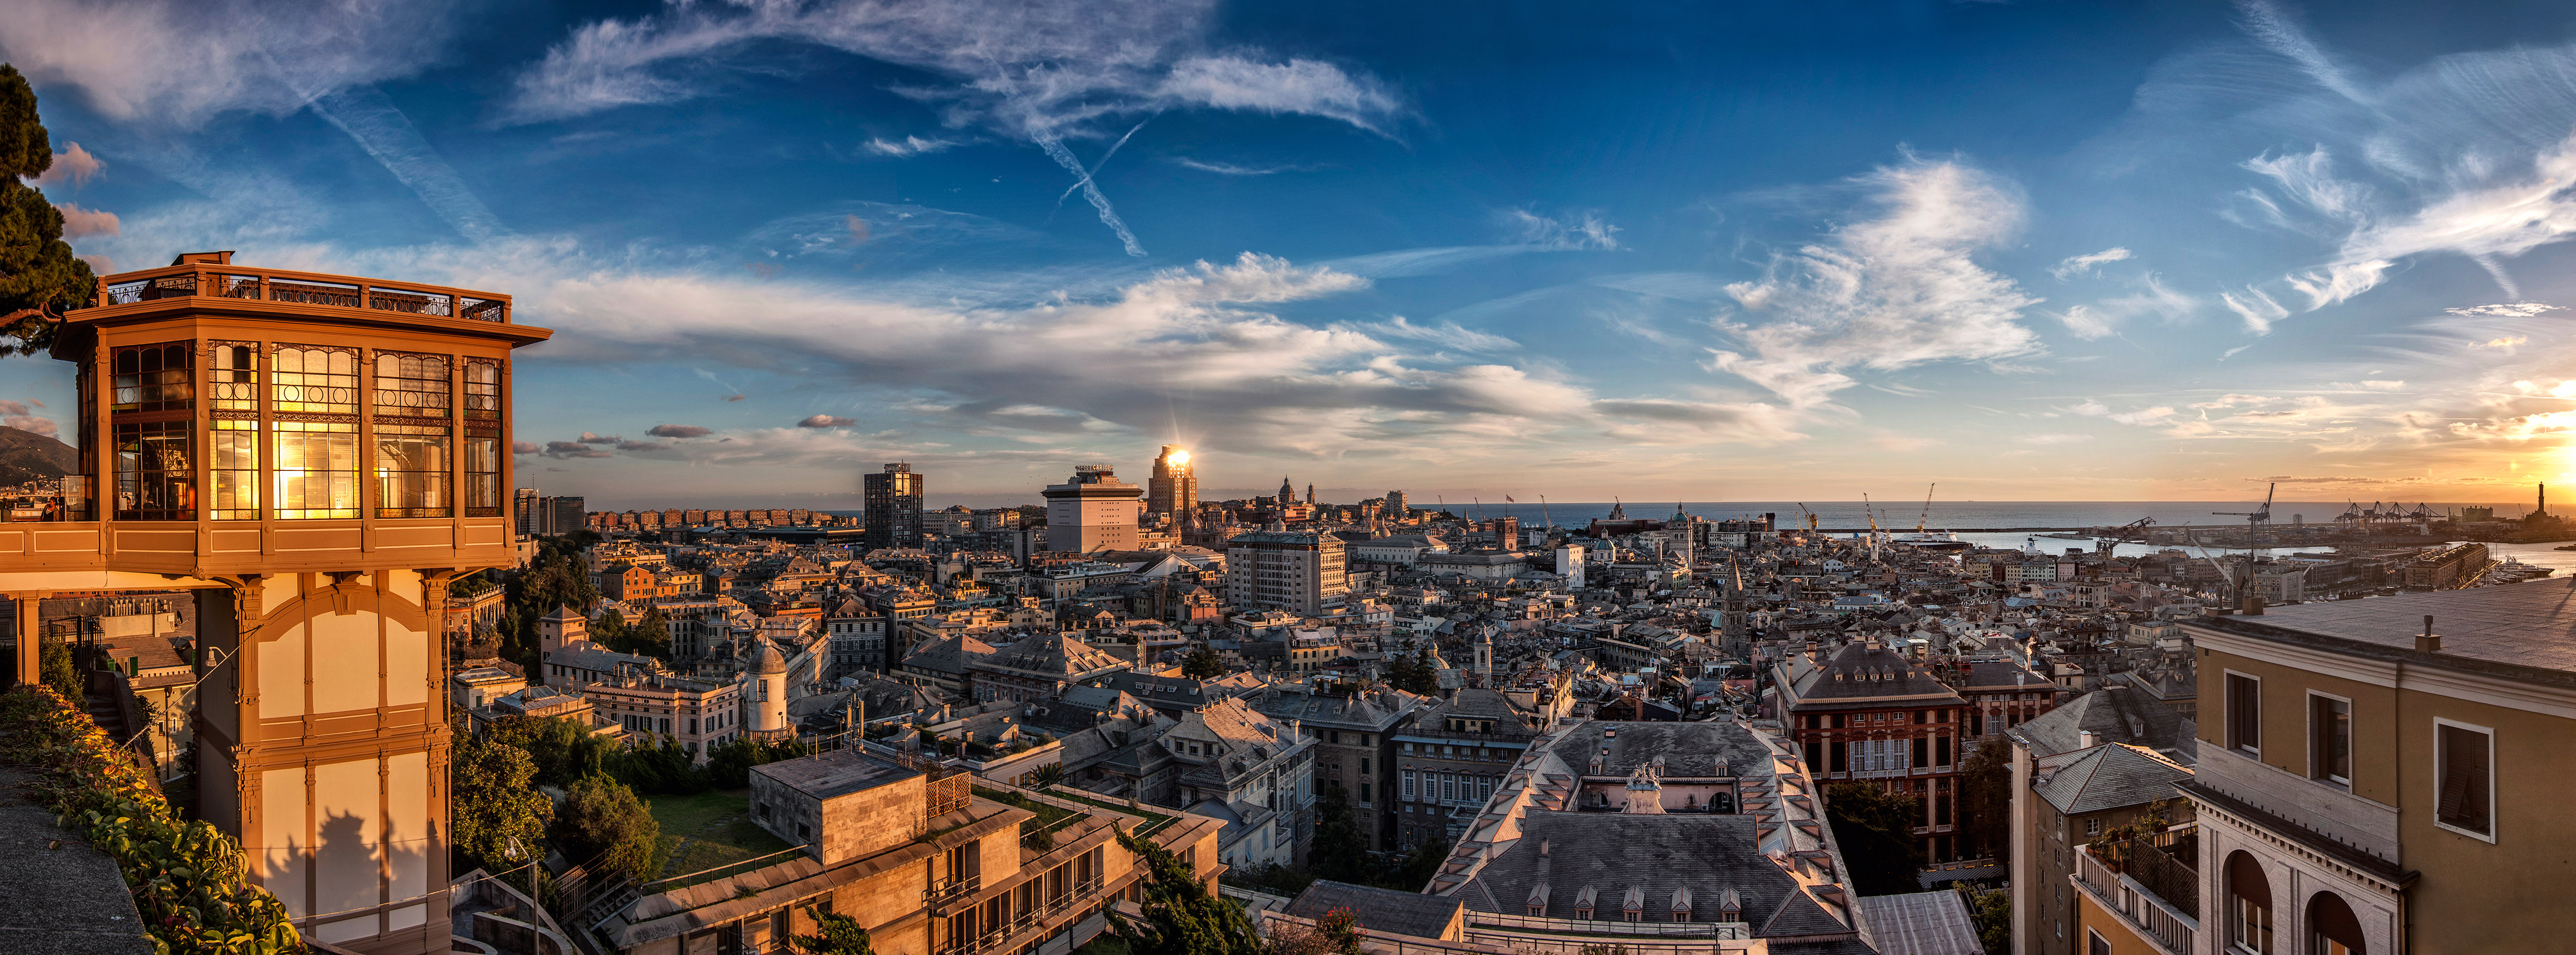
x,y
1174,487
923,864
316,458
700,714
1093,511
1870,713
1609,832
891,499
1254,772
1297,572
2380,776
1355,746
2089,766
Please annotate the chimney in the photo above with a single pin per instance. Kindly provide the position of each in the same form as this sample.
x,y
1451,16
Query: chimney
x,y
2428,642
2085,740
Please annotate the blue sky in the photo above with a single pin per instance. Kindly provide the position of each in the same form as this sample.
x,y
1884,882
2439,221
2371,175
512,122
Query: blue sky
x,y
1703,251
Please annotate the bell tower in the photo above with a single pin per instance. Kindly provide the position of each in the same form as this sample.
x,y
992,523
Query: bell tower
x,y
317,456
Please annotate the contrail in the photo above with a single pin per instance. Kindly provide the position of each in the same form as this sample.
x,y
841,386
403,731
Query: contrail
x,y
1064,157
380,128
1104,160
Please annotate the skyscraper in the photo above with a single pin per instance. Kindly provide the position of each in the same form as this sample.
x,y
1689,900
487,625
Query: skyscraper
x,y
893,507
1093,511
1174,488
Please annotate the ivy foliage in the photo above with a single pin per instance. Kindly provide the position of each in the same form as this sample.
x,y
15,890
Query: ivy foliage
x,y
186,877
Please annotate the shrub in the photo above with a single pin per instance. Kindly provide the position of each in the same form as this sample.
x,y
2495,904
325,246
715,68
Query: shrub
x,y
186,877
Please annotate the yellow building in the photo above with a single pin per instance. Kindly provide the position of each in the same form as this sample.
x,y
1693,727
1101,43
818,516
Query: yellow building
x,y
2386,776
316,456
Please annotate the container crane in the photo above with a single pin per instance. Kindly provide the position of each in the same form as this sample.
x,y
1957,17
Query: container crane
x,y
2133,532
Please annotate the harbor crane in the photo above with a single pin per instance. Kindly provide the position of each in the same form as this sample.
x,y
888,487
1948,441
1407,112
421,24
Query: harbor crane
x,y
2257,523
1926,516
2133,532
1811,516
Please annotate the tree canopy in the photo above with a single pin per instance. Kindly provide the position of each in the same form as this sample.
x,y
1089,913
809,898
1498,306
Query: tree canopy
x,y
1203,664
835,934
1875,830
1340,850
1985,799
40,279
493,799
1181,916
603,821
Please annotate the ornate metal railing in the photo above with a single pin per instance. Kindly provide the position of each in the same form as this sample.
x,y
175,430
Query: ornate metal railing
x,y
303,288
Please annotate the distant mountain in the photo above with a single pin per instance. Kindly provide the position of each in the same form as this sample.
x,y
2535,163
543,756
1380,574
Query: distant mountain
x,y
26,456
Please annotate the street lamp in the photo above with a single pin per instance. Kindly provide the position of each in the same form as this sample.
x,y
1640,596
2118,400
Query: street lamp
x,y
516,851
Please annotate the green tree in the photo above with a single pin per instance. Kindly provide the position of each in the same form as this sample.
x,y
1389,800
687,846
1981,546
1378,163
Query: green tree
x,y
1420,865
602,820
609,629
1875,830
493,798
1181,916
562,748
1413,674
40,279
1340,850
1985,799
836,934
56,669
1203,664
650,636
1991,911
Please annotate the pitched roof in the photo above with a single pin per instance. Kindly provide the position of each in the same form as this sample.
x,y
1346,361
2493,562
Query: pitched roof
x,y
2111,777
1612,852
1054,655
1919,923
1863,672
2115,714
949,655
1384,910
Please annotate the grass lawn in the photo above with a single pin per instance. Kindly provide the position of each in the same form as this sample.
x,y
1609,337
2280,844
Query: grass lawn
x,y
707,830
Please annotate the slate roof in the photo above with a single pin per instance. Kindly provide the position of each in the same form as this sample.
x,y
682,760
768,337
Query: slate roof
x,y
1918,923
1611,852
2529,627
2115,714
1859,674
1384,910
949,654
2111,777
1055,655
1689,750
1376,710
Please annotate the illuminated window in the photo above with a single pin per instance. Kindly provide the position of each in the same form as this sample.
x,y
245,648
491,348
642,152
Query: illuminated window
x,y
314,379
411,470
317,468
413,385
155,478
152,378
232,452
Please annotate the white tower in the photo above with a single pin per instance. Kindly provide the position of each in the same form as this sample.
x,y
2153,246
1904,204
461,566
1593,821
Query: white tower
x,y
768,692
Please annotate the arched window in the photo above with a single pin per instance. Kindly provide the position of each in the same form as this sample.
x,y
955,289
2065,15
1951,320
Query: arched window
x,y
2332,930
2249,905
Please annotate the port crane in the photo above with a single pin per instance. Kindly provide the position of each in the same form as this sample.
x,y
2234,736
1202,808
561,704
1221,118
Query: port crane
x,y
1811,516
1926,516
2258,522
2133,532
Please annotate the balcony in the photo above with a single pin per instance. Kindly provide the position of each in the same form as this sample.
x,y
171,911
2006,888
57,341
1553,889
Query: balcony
x,y
2151,882
302,288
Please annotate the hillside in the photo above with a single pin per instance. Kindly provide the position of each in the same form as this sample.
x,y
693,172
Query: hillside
x,y
26,456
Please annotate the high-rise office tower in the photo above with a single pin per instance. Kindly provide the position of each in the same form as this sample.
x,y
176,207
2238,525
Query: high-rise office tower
x,y
1298,572
1174,488
523,511
315,457
1092,512
893,502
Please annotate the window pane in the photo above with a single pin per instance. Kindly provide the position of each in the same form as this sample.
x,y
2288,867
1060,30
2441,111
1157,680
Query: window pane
x,y
2332,721
232,377
317,469
2466,775
482,477
315,379
411,385
232,452
155,476
152,378
411,471
2244,713
482,390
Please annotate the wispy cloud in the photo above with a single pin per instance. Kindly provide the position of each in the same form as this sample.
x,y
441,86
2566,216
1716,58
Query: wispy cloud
x,y
2075,265
385,133
1893,290
2507,309
1445,334
909,146
1232,169
181,63
1574,231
